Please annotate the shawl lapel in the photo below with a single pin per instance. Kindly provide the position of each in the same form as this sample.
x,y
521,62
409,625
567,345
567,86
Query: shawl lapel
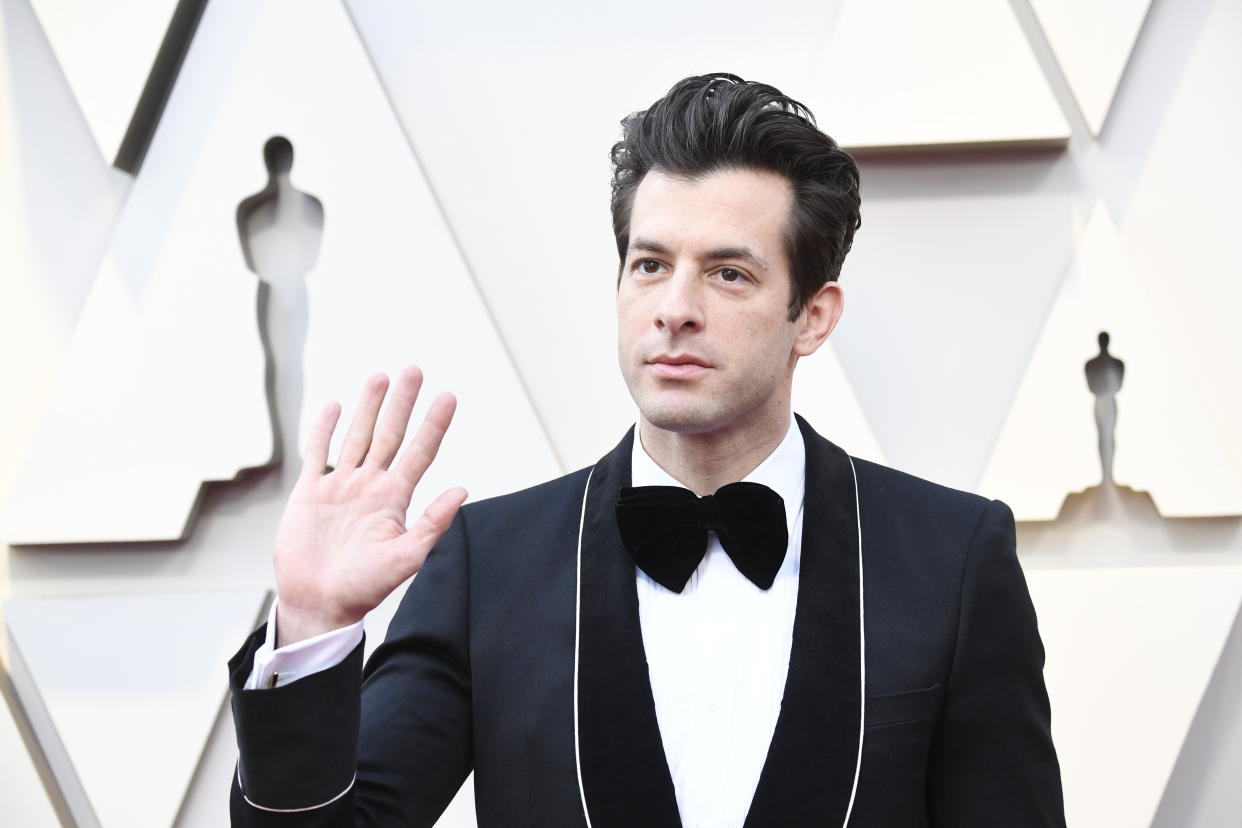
x,y
810,773
622,771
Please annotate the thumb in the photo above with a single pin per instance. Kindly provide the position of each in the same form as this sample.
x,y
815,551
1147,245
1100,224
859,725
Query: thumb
x,y
431,525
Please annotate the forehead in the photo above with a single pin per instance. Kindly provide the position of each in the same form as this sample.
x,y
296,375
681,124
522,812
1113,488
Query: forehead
x,y
724,208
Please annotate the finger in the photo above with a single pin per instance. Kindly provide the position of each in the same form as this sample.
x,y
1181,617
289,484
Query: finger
x,y
315,459
413,546
358,439
392,426
422,449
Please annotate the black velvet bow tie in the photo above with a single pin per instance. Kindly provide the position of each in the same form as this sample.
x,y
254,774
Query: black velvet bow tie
x,y
665,528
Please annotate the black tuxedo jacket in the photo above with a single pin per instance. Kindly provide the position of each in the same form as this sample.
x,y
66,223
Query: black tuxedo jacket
x,y
914,697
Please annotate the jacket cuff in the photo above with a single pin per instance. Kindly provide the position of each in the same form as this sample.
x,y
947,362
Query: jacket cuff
x,y
298,743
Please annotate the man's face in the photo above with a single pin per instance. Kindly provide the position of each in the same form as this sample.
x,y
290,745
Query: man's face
x,y
705,339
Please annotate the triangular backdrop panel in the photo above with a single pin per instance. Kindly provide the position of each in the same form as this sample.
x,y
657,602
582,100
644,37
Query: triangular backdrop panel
x,y
1165,444
26,803
107,51
1092,41
389,287
162,384
538,242
1181,223
126,687
58,202
941,323
171,358
906,73
1128,646
822,393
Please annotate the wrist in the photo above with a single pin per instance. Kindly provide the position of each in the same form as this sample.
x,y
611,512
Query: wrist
x,y
294,624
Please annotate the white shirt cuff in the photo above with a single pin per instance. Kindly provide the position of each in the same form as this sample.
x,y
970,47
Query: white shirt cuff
x,y
276,667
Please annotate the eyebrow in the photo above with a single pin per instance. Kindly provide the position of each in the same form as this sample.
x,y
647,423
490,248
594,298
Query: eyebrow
x,y
649,246
742,253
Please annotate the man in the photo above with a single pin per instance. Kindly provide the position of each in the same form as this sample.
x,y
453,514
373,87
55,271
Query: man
x,y
814,641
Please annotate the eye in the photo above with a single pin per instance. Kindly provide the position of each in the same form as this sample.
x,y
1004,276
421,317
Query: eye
x,y
731,274
649,266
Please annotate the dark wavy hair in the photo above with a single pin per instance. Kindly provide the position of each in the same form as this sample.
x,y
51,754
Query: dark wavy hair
x,y
708,123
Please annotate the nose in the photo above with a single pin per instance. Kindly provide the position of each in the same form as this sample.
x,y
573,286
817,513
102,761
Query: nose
x,y
680,308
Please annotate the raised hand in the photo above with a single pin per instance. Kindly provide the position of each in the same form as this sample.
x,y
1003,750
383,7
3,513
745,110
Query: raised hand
x,y
342,545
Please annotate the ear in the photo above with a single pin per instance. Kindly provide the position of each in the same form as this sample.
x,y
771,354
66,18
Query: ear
x,y
818,319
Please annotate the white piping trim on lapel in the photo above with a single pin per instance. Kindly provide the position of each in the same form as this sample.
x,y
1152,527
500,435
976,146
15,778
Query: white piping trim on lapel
x,y
577,637
862,650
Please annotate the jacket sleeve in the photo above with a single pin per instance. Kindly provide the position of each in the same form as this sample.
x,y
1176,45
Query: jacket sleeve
x,y
992,760
388,744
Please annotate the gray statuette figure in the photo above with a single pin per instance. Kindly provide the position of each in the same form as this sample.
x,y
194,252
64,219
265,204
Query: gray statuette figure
x,y
1104,377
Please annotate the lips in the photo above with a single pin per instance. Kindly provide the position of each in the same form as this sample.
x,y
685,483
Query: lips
x,y
678,366
680,359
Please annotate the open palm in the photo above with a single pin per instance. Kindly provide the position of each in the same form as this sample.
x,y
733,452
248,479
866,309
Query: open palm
x,y
342,545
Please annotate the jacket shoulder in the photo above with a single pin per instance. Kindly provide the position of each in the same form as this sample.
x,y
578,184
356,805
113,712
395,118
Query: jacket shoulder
x,y
911,500
527,508
538,493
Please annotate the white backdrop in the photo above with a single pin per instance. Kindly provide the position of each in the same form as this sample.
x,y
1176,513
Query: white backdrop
x,y
509,112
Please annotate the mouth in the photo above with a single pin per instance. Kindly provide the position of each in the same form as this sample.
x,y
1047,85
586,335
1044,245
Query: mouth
x,y
678,366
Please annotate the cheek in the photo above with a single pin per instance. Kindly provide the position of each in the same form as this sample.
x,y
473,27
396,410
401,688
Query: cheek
x,y
629,333
626,329
763,343
633,315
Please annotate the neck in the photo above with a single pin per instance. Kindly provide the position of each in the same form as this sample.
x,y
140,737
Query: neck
x,y
706,461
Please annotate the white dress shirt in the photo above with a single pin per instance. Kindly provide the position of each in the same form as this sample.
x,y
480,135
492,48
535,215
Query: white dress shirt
x,y
717,654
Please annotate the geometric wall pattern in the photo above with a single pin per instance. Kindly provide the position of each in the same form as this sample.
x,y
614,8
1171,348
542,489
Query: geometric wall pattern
x,y
150,400
910,74
447,255
1181,215
940,314
525,274
117,58
380,296
1092,42
1129,654
1047,447
122,691
390,286
26,802
54,186
822,393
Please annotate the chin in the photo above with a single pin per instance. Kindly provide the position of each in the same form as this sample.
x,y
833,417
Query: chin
x,y
687,417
